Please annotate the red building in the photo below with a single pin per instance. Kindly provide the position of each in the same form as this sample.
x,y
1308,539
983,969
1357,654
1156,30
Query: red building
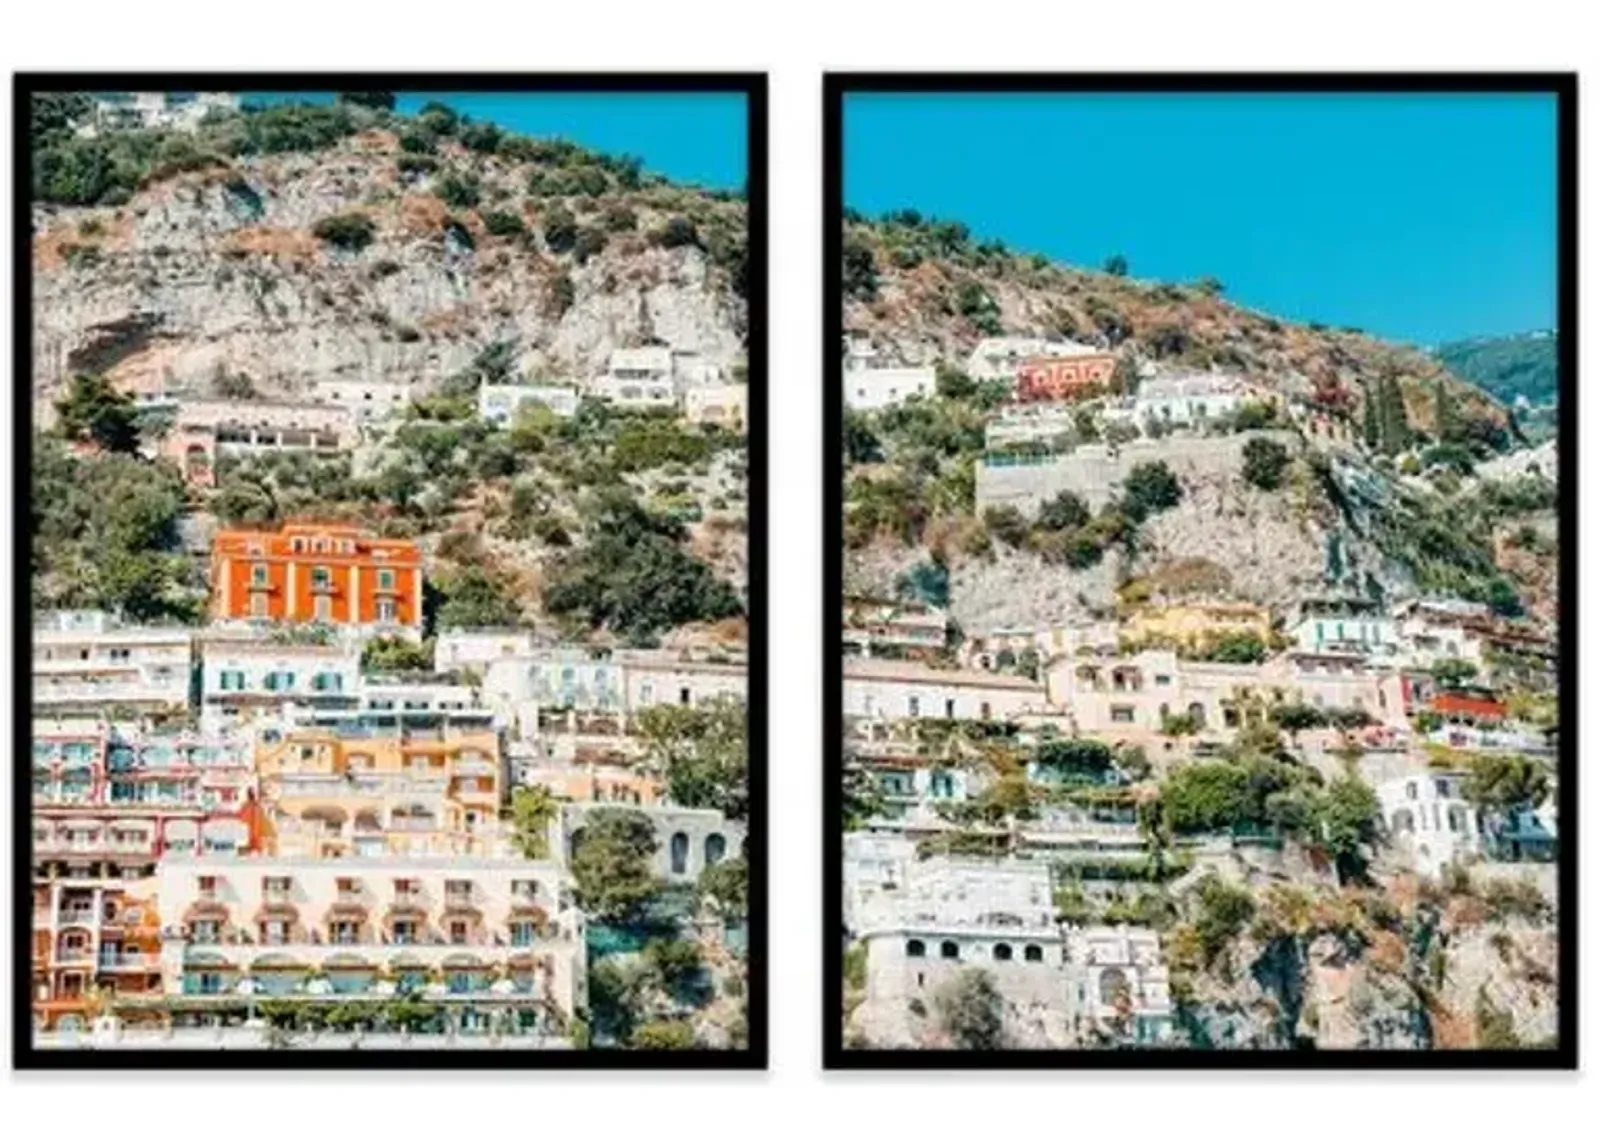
x,y
1064,378
317,573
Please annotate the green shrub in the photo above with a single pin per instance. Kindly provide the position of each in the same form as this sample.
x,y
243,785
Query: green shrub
x,y
351,232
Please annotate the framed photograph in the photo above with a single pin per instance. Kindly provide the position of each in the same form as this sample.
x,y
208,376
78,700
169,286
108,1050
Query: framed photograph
x,y
395,473
1199,571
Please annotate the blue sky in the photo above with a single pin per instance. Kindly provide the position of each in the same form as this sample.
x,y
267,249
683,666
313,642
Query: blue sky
x,y
690,137
1416,217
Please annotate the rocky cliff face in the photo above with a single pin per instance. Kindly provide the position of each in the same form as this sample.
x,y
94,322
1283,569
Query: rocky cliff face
x,y
219,271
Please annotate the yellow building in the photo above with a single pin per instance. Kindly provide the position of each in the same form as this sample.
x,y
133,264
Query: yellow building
x,y
1183,625
331,793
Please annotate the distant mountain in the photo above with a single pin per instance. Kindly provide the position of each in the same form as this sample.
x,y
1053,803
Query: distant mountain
x,y
1522,365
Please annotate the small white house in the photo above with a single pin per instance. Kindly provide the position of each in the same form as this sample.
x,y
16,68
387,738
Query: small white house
x,y
1428,821
881,387
1188,399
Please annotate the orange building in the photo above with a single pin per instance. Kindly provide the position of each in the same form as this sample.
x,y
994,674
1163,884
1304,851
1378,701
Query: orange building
x,y
317,573
1062,378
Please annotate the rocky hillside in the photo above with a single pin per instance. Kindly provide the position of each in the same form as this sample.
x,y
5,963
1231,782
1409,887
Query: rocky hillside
x,y
279,248
227,261
925,291
1381,497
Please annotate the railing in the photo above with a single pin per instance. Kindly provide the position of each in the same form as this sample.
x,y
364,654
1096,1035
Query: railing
x,y
129,961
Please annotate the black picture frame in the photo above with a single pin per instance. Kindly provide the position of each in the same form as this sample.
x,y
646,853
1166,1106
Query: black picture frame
x,y
753,1056
836,87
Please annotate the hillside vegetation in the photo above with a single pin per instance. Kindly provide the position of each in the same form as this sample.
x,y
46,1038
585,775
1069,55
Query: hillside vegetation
x,y
281,248
1387,505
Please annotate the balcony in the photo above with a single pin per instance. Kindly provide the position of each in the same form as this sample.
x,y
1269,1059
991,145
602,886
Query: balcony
x,y
85,917
129,962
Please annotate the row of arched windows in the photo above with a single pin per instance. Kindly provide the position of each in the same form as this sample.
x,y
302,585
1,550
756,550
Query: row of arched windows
x,y
678,850
950,950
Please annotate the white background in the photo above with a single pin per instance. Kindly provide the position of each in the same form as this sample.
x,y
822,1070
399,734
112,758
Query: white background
x,y
795,44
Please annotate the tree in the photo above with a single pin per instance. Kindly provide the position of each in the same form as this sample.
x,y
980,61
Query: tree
x,y
1116,266
458,190
953,384
972,1010
1207,797
472,598
532,810
703,752
676,963
560,230
93,409
1446,427
677,231
1264,463
1452,674
386,654
1223,913
1065,510
351,232
1346,817
860,274
1150,488
1007,524
612,864
1295,717
1502,782
727,885
631,577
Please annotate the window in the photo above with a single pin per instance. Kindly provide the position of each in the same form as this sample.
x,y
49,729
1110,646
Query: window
x,y
204,932
913,707
458,932
915,948
321,579
984,711
258,575
949,708
1002,952
1033,954
1411,790
1122,714
405,932
522,934
230,681
385,579
684,697
386,611
949,950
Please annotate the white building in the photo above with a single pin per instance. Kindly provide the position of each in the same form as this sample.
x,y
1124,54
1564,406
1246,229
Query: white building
x,y
1428,821
566,678
999,358
87,661
498,404
872,626
174,110
878,388
639,378
1433,630
724,406
463,649
243,678
369,402
688,841
479,935
1123,985
1317,628
1187,399
658,678
887,690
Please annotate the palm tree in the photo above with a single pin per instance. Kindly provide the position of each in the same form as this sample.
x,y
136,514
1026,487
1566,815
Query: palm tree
x,y
532,811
